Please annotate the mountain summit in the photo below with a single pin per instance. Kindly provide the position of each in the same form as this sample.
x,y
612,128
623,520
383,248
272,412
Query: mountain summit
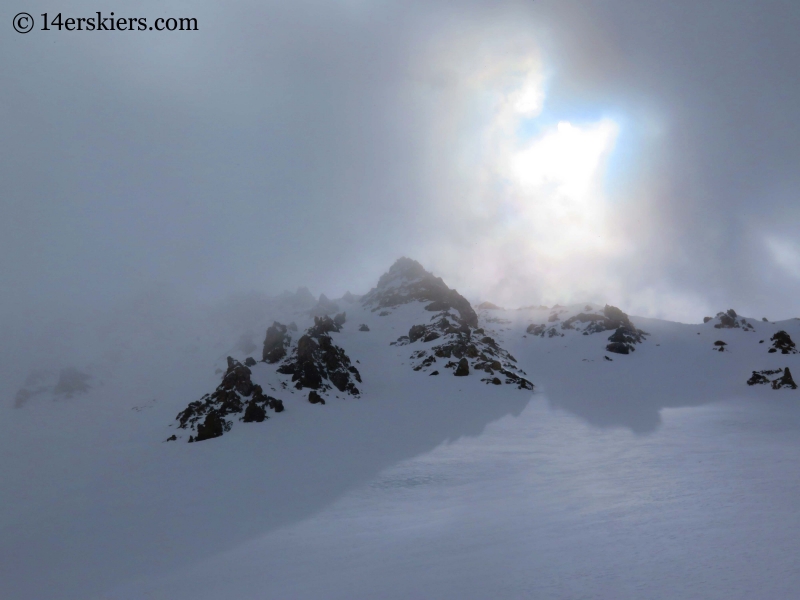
x,y
408,281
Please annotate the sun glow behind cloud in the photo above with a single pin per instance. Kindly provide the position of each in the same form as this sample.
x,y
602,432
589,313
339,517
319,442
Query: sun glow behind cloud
x,y
557,186
541,198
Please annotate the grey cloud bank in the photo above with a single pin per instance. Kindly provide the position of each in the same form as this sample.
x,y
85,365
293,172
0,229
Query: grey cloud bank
x,y
312,143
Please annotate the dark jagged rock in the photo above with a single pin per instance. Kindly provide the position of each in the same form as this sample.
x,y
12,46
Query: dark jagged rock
x,y
784,381
315,398
407,281
340,319
623,340
250,361
782,342
363,327
316,362
434,373
730,320
237,377
236,394
587,323
609,359
462,370
276,343
254,413
212,427
761,377
720,346
707,319
467,349
322,325
416,332
172,438
768,376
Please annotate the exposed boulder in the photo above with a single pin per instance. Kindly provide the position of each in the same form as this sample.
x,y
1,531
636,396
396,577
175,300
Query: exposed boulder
x,y
276,343
254,413
784,381
250,361
363,327
462,370
212,427
340,319
416,332
782,342
315,398
719,345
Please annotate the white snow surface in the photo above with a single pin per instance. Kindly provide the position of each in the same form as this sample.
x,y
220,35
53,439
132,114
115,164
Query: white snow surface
x,y
658,474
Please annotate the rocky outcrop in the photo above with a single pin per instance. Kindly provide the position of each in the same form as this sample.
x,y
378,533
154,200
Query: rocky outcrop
x,y
317,363
719,346
611,318
363,327
408,281
730,320
784,380
622,341
543,331
315,398
276,343
236,394
782,342
465,349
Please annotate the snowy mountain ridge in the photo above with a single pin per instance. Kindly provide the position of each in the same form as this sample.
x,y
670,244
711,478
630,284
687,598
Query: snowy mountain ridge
x,y
440,335
84,444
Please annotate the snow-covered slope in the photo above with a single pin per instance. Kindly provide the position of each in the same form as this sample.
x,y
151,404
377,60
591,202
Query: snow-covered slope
x,y
94,496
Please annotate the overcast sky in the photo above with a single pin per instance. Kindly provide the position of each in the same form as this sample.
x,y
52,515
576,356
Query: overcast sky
x,y
638,152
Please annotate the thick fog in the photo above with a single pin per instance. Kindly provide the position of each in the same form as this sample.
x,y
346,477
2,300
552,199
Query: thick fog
x,y
641,153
